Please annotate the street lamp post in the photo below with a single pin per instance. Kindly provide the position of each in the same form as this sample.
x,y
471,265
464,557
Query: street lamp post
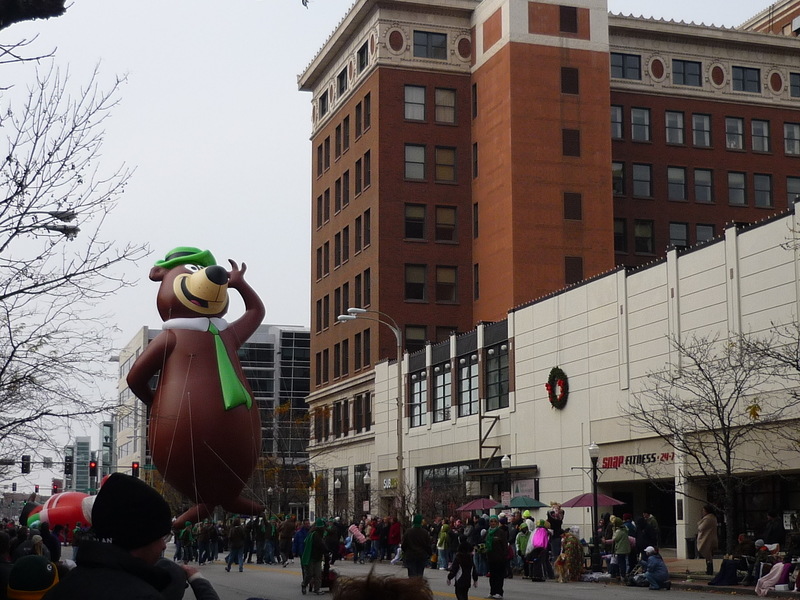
x,y
594,454
354,313
269,500
505,464
337,503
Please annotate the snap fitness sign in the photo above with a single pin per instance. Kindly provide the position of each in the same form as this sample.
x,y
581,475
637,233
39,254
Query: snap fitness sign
x,y
632,460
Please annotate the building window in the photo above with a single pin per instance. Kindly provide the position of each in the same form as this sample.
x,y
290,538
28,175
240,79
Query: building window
x,y
367,112
337,362
337,195
367,228
442,392
415,282
640,124
497,377
445,110
703,190
674,125
358,242
367,288
359,175
337,253
701,131
416,335
415,103
366,352
445,164
341,82
704,233
571,142
415,162
327,146
326,311
620,235
323,104
644,241
760,135
792,189
357,351
325,365
570,81
346,133
474,100
734,133
418,404
359,111
346,244
326,258
626,66
319,211
446,284
617,130
476,288
686,72
573,206
762,190
445,224
474,160
747,79
679,234
676,183
326,204
430,45
573,270
345,188
415,222
794,85
362,57
736,189
337,146
319,263
357,290
791,138
475,220
568,19
362,412
468,385
618,178
319,160
318,316
642,181
367,169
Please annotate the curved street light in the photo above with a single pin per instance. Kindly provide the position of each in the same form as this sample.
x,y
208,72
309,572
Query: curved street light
x,y
354,313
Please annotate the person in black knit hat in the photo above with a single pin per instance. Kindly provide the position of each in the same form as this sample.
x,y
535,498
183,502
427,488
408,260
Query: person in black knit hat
x,y
131,521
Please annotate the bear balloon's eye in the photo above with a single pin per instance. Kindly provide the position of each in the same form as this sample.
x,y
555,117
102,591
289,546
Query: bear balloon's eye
x,y
194,268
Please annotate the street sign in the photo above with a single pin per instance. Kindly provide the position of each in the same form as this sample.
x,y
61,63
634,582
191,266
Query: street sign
x,y
149,467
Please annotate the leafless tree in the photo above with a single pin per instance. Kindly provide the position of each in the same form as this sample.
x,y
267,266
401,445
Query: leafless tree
x,y
15,11
718,410
54,263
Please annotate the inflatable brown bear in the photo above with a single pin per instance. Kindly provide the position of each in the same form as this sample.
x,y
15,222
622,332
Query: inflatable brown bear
x,y
205,429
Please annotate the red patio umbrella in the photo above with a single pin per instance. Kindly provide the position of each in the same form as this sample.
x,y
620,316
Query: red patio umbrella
x,y
587,500
479,504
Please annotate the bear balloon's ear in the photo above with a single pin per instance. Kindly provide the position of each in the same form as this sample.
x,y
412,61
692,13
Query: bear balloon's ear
x,y
157,273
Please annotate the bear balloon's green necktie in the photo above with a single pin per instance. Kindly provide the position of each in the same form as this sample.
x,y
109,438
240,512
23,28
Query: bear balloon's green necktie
x,y
233,391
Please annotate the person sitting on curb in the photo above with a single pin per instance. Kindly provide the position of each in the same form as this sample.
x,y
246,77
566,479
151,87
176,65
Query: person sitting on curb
x,y
656,570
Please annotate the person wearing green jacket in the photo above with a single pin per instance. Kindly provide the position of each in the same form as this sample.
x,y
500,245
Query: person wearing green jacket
x,y
621,545
521,542
313,554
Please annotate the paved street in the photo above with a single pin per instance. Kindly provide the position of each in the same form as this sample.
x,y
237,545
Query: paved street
x,y
276,583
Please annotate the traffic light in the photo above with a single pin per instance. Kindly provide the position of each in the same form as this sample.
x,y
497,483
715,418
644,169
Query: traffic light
x,y
92,468
26,463
36,489
135,468
69,464
55,489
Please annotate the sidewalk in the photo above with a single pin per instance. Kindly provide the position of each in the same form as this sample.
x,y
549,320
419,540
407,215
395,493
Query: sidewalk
x,y
690,574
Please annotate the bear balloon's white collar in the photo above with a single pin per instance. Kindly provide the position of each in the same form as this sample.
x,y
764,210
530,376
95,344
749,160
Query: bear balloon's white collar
x,y
195,323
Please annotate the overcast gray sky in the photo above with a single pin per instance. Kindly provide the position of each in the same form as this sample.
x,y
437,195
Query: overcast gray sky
x,y
213,123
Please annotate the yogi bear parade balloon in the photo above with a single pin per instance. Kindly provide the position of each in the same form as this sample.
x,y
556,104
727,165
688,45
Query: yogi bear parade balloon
x,y
205,429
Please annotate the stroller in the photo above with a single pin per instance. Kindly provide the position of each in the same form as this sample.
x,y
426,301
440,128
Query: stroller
x,y
636,577
539,567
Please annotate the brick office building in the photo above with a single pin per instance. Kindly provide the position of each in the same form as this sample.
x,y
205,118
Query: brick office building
x,y
470,156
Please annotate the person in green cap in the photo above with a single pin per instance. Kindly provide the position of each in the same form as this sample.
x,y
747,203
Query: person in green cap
x,y
416,547
313,554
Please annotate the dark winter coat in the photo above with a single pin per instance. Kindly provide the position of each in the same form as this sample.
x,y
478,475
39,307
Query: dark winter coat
x,y
416,544
107,571
463,570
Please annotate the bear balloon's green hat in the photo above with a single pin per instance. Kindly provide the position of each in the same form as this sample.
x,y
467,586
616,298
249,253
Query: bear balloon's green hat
x,y
187,255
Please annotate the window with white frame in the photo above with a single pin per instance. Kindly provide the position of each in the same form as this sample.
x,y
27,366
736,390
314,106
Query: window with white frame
x,y
468,385
415,103
442,392
497,377
417,406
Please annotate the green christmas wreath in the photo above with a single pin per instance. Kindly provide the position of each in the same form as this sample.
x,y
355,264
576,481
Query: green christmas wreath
x,y
557,388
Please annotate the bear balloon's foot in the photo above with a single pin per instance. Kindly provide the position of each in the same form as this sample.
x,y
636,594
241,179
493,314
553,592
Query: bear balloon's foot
x,y
244,506
196,514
